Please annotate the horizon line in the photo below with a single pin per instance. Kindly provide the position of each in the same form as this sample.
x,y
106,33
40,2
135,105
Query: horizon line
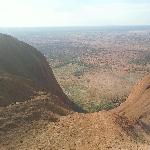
x,y
138,25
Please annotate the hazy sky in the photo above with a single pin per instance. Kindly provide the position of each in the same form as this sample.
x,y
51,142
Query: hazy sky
x,y
74,12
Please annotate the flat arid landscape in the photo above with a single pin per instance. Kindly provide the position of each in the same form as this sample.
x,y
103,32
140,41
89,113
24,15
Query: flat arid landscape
x,y
96,67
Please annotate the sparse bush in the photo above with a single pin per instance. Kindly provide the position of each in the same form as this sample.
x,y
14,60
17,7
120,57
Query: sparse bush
x,y
143,59
79,72
102,106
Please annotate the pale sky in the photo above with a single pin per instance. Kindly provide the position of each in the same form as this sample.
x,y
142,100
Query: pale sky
x,y
36,13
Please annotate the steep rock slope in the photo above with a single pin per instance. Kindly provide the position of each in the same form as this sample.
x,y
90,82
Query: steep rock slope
x,y
137,106
135,111
29,92
23,72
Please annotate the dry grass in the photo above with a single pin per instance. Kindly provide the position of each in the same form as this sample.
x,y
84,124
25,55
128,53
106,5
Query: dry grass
x,y
96,85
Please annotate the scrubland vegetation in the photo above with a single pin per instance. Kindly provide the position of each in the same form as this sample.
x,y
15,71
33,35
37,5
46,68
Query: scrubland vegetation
x,y
94,89
95,68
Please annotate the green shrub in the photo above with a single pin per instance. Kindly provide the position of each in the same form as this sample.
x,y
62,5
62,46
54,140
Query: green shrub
x,y
79,71
102,106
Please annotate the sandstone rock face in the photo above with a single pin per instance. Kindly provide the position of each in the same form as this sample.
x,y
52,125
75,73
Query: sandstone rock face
x,y
24,71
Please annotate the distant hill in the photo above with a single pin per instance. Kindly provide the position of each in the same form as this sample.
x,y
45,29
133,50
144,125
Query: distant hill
x,y
24,72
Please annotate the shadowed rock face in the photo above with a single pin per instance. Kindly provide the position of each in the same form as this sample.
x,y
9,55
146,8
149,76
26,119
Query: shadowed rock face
x,y
25,71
